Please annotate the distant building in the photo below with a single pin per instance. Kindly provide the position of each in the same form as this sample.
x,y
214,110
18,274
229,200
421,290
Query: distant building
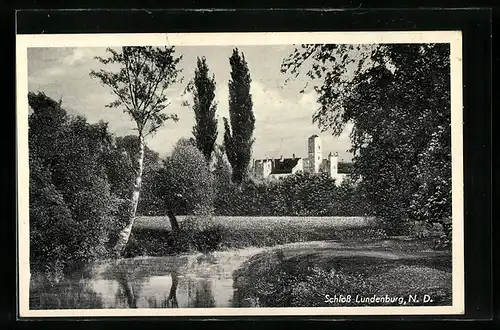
x,y
314,164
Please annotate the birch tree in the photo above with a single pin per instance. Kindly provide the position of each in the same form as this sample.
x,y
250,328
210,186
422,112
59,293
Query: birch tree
x,y
139,77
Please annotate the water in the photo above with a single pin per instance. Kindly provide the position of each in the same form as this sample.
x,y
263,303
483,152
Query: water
x,y
185,281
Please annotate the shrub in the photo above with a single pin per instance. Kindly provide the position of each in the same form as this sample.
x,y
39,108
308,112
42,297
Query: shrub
x,y
198,233
210,239
439,233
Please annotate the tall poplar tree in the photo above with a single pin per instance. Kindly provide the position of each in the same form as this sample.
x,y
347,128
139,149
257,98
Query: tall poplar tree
x,y
139,82
203,90
238,131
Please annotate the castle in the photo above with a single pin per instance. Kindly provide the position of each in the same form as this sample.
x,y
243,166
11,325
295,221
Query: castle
x,y
314,164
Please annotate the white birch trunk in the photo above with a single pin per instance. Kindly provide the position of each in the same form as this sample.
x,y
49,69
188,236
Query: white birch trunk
x,y
125,232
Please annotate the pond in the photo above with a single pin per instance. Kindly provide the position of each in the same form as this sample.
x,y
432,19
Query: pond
x,y
183,281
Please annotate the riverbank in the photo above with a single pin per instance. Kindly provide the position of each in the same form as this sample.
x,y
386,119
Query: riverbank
x,y
389,272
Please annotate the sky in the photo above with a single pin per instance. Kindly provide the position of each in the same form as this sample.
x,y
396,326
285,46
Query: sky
x,y
283,115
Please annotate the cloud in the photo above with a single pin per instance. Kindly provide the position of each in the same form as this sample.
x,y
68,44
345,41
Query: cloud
x,y
283,114
77,55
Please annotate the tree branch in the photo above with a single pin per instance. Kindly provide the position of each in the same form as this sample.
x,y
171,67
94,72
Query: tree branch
x,y
129,83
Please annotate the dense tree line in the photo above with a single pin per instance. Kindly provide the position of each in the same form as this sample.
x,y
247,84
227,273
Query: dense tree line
x,y
87,185
295,195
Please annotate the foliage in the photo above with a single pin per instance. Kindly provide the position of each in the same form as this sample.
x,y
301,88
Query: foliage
x,y
121,172
238,131
139,83
397,98
301,194
431,203
203,90
199,234
223,186
184,182
143,75
72,211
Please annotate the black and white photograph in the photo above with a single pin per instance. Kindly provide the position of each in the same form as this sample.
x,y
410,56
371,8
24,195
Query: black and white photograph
x,y
240,174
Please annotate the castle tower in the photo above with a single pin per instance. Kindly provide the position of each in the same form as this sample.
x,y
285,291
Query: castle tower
x,y
314,153
333,159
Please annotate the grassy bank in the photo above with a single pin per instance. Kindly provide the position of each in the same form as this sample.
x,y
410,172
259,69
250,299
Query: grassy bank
x,y
152,235
251,222
301,275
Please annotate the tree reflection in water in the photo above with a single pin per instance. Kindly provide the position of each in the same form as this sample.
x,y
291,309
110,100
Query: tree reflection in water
x,y
132,278
125,290
130,283
204,297
172,296
66,293
169,301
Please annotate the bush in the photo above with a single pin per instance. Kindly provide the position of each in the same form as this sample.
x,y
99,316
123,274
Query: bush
x,y
271,281
436,231
210,239
197,233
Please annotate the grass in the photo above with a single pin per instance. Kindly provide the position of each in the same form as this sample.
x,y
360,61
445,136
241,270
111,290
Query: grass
x,y
269,223
300,275
153,237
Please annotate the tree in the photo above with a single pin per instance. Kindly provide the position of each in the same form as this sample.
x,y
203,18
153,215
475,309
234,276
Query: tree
x,y
238,132
223,187
398,99
72,211
121,172
432,201
139,84
203,90
184,183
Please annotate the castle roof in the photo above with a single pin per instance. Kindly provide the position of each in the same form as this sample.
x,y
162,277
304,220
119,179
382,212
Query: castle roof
x,y
284,166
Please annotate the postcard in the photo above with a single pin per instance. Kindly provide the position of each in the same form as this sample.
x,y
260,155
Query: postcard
x,y
233,174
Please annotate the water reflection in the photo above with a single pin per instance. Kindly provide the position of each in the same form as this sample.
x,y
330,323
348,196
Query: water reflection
x,y
125,293
146,283
67,293
203,295
191,281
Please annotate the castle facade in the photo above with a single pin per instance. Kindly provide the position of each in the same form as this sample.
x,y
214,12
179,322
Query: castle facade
x,y
314,163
